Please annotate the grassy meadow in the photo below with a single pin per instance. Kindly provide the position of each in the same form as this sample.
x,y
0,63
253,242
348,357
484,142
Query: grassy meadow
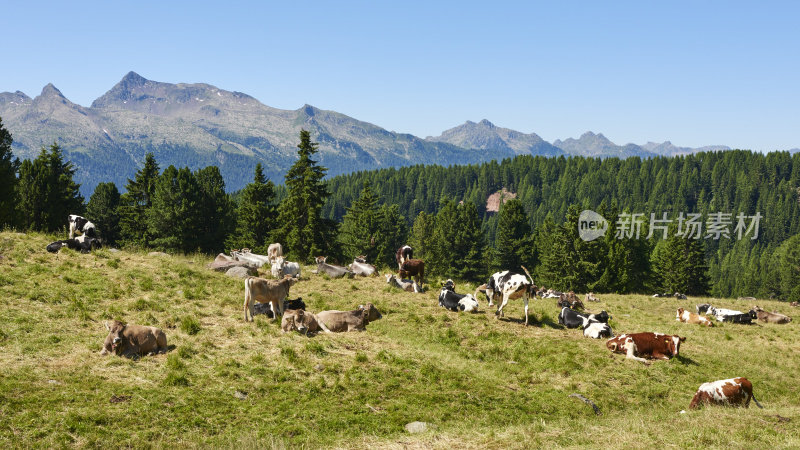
x,y
479,381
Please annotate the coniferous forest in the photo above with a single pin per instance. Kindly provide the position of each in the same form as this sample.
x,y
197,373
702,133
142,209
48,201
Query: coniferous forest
x,y
743,243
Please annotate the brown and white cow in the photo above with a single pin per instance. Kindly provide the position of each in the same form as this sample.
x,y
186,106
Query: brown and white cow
x,y
590,297
413,268
404,253
771,317
133,340
266,291
690,317
647,344
338,321
733,391
301,321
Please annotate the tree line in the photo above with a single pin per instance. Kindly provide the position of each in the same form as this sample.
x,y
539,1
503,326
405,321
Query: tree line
x,y
441,212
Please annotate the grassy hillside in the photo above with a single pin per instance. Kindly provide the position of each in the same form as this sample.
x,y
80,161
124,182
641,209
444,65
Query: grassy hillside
x,y
480,381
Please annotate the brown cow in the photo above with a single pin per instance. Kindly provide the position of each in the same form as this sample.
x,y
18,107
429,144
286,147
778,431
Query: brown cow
x,y
303,322
590,297
357,320
133,340
771,317
263,291
651,345
690,317
413,268
734,391
569,300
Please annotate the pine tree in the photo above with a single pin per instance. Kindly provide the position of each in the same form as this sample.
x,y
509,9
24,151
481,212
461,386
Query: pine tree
x,y
697,280
391,234
135,203
172,219
256,215
420,238
9,166
47,191
514,238
302,230
358,233
214,217
103,210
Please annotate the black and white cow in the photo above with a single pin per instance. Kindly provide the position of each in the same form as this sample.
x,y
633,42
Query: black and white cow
x,y
83,244
456,302
573,319
509,285
404,253
744,318
81,225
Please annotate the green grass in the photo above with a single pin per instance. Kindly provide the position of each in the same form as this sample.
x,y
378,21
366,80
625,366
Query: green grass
x,y
482,382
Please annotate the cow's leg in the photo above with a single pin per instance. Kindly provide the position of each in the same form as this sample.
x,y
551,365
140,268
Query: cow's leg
x,y
247,306
324,328
631,348
499,311
490,296
525,299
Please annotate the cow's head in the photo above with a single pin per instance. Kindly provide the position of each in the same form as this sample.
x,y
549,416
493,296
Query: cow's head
x,y
371,312
321,259
449,285
602,317
703,308
295,319
674,344
115,335
289,280
752,314
361,259
389,277
679,314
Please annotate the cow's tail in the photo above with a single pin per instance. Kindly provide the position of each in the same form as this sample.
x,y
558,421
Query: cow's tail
x,y
532,287
754,399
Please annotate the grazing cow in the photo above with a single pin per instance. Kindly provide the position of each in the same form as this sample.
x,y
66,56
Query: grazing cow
x,y
246,255
412,268
590,297
771,317
274,251
405,285
733,391
80,225
650,345
357,320
703,308
509,286
690,317
360,267
404,253
456,302
266,291
596,330
133,340
332,270
301,321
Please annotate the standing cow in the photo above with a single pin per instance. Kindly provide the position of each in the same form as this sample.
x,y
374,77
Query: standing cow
x,y
274,251
404,253
266,291
509,285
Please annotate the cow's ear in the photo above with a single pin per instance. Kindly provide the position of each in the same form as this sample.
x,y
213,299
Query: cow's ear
x,y
107,326
683,339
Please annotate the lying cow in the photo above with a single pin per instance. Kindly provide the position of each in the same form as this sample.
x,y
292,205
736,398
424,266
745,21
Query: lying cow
x,y
569,300
266,291
720,313
281,268
361,268
80,225
771,317
331,270
412,268
301,321
133,341
405,285
357,320
573,319
639,346
552,294
597,330
456,302
274,251
733,316
734,392
247,256
83,244
266,308
703,308
404,253
690,317
590,297
508,286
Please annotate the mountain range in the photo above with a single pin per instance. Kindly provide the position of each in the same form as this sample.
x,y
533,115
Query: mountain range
x,y
197,125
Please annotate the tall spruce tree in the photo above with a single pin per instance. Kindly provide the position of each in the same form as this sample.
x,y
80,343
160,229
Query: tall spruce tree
x,y
9,166
421,235
458,248
390,235
172,220
103,210
514,238
302,230
359,230
256,214
215,210
135,203
47,191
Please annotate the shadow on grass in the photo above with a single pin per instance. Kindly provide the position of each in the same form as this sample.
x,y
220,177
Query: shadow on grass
x,y
546,322
686,361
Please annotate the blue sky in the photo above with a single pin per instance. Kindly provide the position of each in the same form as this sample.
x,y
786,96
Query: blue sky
x,y
696,73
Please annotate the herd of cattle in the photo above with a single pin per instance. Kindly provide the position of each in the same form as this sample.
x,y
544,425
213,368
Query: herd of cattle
x,y
271,297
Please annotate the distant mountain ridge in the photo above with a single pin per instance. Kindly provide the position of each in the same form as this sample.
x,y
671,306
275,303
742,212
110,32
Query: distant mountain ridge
x,y
199,124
